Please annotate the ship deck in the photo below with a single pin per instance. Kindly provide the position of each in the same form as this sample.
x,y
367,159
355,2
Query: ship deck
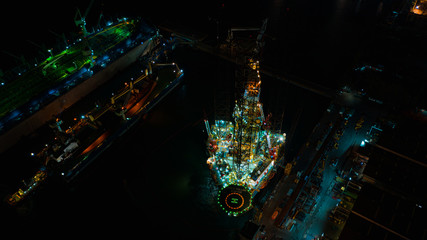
x,y
59,67
95,136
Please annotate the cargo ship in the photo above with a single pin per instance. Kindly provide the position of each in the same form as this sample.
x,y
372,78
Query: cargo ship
x,y
74,148
87,135
30,97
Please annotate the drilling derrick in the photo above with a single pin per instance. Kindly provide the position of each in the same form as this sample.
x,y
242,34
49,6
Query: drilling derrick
x,y
247,118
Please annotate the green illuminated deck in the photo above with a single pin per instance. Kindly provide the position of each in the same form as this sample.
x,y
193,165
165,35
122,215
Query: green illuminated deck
x,y
60,66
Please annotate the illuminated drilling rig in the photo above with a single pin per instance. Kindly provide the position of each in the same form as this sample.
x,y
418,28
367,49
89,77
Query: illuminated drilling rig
x,y
243,152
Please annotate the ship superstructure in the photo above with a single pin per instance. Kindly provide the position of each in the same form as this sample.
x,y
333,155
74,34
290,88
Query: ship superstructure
x,y
243,152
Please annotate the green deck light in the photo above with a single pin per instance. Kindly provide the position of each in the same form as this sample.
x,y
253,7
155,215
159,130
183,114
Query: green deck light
x,y
42,77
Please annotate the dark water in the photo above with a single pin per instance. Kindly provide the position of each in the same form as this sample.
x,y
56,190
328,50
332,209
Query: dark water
x,y
155,180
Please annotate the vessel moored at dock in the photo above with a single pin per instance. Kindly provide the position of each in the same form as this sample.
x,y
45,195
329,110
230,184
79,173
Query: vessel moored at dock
x,y
75,147
50,87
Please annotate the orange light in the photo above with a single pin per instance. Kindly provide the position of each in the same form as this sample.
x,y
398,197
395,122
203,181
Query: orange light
x,y
238,194
98,141
417,11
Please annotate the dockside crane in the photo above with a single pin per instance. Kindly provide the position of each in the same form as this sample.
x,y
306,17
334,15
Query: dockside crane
x,y
80,20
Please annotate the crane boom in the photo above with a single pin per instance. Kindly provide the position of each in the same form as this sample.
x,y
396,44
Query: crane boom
x,y
80,20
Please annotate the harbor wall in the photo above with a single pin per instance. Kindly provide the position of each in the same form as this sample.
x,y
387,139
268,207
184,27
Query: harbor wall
x,y
35,121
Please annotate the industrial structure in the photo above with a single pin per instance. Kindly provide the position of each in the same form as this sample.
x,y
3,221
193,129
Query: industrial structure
x,y
243,152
